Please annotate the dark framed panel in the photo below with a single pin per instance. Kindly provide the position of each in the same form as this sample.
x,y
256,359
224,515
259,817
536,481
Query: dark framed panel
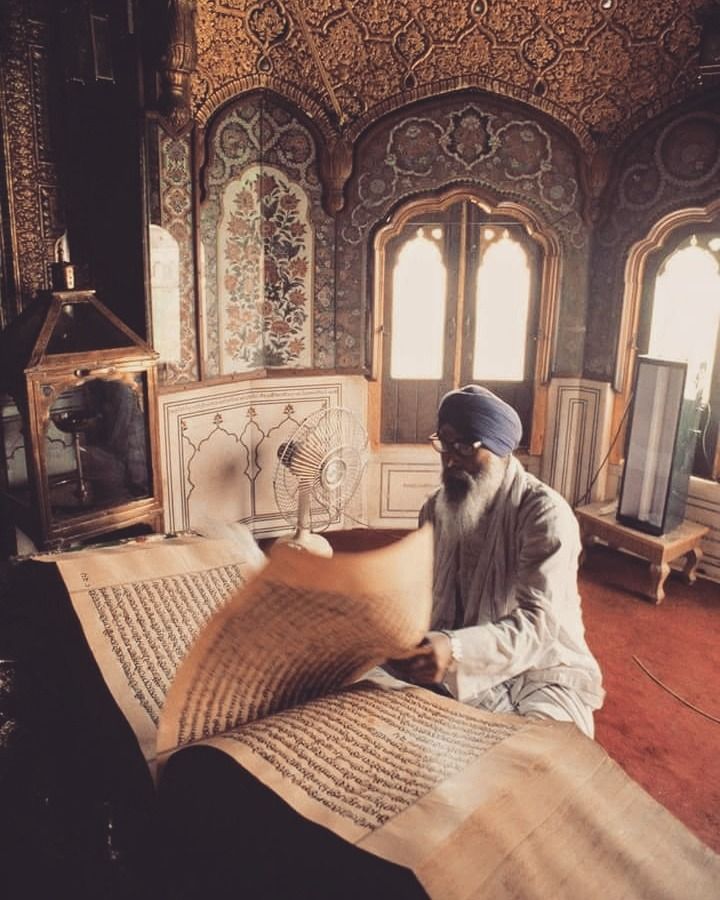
x,y
660,448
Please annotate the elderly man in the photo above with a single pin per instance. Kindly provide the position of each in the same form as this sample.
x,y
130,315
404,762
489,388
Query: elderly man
x,y
507,634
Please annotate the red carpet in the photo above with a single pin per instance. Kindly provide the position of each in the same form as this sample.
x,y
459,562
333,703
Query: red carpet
x,y
671,750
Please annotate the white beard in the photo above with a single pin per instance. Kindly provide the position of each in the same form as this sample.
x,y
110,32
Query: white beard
x,y
458,518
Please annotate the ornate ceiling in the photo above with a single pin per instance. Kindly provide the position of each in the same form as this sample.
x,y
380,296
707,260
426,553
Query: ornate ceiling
x,y
598,66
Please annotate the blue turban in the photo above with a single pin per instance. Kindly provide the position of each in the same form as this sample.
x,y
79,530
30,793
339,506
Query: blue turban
x,y
478,415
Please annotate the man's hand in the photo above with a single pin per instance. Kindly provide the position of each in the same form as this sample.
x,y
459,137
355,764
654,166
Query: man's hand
x,y
428,663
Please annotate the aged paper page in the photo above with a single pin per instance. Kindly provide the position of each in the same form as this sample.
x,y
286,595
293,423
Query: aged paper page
x,y
141,605
301,628
476,804
355,759
547,813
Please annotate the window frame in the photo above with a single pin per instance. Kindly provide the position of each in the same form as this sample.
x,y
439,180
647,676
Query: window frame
x,y
548,276
644,260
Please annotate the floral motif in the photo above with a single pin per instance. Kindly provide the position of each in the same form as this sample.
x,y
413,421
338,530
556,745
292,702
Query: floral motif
x,y
573,23
268,135
233,141
413,146
176,217
475,46
683,33
344,45
508,19
636,19
295,148
265,243
540,51
268,24
376,186
469,137
558,188
690,149
611,58
602,113
526,149
411,43
446,21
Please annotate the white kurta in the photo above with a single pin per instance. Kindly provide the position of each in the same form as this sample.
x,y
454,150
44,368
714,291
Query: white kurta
x,y
511,590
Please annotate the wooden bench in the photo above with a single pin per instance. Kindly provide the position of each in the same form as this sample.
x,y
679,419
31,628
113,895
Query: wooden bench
x,y
598,523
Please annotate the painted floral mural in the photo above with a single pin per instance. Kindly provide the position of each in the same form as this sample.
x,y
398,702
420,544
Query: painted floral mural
x,y
265,265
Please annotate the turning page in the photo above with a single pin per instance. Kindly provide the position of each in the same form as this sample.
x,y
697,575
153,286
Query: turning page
x,y
302,627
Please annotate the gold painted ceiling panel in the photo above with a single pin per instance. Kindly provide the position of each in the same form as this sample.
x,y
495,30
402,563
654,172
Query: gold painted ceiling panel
x,y
599,66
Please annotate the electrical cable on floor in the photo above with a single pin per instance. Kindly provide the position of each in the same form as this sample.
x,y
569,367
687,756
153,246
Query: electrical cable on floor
x,y
676,696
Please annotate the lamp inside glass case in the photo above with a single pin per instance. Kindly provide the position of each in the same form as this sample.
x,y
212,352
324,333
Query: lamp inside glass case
x,y
79,425
97,445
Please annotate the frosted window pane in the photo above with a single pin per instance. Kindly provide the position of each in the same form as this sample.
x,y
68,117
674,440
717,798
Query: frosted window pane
x,y
165,294
418,311
501,312
686,316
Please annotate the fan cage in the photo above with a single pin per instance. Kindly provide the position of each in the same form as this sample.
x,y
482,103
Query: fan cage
x,y
320,467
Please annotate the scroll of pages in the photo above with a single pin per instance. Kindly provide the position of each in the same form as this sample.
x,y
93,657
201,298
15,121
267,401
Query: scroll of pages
x,y
202,640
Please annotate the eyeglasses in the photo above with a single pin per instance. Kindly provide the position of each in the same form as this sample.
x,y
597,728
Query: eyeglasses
x,y
461,448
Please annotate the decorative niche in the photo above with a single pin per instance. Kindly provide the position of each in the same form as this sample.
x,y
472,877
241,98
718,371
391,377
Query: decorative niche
x,y
79,426
267,244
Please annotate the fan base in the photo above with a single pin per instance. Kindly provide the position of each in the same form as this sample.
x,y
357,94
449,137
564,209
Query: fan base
x,y
307,540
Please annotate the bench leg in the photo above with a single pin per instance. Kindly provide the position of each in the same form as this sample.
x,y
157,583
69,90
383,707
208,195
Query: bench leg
x,y
587,539
658,574
689,573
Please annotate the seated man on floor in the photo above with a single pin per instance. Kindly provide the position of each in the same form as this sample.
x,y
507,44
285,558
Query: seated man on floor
x,y
508,634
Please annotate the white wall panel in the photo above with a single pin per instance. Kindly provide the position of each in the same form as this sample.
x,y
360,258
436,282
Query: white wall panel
x,y
576,438
704,506
401,482
219,446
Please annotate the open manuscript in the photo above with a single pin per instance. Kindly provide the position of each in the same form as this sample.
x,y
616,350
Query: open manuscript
x,y
204,643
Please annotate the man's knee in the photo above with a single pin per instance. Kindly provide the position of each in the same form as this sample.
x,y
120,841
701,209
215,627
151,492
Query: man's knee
x,y
558,703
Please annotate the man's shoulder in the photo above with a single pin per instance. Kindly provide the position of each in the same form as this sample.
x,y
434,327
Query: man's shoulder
x,y
544,514
543,500
427,510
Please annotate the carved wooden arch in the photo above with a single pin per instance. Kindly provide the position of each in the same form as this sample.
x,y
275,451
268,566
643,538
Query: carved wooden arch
x,y
548,300
627,349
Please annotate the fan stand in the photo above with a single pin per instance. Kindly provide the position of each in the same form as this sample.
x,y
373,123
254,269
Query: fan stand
x,y
304,538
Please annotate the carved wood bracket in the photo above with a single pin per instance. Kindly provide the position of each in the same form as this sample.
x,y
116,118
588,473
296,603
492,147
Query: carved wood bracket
x,y
335,170
178,62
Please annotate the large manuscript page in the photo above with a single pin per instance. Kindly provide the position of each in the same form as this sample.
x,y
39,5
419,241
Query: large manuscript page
x,y
142,604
